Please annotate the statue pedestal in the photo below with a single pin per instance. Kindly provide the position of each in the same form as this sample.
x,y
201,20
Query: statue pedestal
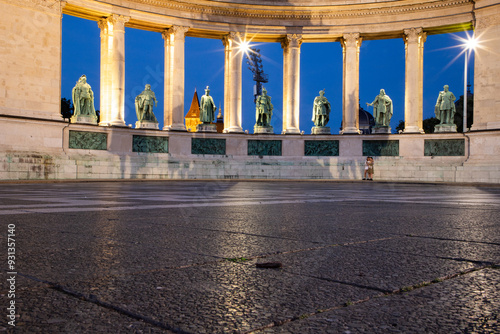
x,y
146,125
320,130
381,129
263,129
440,128
85,119
206,128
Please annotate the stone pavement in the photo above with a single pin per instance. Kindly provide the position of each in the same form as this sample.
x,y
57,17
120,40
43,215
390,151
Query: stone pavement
x,y
180,257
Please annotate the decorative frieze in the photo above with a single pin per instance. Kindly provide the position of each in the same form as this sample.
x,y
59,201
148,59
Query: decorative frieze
x,y
444,147
378,148
208,146
264,147
307,13
321,148
88,140
149,144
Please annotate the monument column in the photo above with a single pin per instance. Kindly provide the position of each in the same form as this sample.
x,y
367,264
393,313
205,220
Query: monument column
x,y
234,82
350,108
227,42
414,79
286,62
291,74
173,114
105,99
113,70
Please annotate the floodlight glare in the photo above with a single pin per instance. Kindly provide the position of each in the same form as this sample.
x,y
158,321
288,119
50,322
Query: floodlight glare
x,y
471,43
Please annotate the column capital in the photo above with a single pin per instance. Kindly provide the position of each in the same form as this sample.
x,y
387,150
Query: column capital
x,y
415,35
351,40
176,31
292,41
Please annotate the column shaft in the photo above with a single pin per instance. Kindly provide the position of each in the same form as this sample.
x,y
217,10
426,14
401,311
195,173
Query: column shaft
x,y
105,99
235,101
117,68
292,82
174,84
414,72
350,107
227,42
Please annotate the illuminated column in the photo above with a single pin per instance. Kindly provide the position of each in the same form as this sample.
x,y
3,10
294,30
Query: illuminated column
x,y
113,70
350,108
227,42
291,83
174,78
414,79
234,80
105,100
286,62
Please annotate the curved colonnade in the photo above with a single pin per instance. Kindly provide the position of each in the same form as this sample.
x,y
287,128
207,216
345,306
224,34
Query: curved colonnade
x,y
290,23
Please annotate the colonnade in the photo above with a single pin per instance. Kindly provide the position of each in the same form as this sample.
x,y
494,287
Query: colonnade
x,y
113,82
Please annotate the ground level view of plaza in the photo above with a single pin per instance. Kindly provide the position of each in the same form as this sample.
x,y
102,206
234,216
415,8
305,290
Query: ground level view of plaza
x,y
181,257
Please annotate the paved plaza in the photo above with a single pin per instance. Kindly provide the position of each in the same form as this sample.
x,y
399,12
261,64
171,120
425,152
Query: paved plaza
x,y
180,257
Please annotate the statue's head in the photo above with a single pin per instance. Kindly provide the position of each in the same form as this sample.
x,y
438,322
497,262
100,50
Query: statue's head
x,y
207,90
322,92
264,91
382,92
83,78
446,87
148,87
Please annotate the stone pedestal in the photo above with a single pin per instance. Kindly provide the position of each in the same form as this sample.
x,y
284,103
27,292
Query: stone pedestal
x,y
146,125
85,119
320,130
206,128
381,129
440,128
263,129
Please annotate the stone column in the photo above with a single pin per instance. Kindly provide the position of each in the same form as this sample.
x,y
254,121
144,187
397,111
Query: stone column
x,y
487,67
234,81
414,79
350,108
286,62
174,78
291,81
105,99
113,70
227,42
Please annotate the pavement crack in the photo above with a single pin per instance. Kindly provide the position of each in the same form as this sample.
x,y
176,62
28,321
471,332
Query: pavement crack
x,y
93,299
383,295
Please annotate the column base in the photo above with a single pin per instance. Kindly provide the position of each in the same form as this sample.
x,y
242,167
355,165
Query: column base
x,y
350,131
234,129
291,131
413,129
175,127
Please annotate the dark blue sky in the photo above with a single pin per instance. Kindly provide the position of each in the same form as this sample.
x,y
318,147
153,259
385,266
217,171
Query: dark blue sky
x,y
382,65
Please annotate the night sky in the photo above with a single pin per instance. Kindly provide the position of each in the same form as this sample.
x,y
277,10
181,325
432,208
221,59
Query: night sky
x,y
382,65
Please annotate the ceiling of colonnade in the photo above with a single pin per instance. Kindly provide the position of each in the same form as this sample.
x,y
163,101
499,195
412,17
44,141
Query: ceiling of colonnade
x,y
270,20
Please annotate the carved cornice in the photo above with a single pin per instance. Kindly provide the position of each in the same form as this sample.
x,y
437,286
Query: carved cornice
x,y
310,13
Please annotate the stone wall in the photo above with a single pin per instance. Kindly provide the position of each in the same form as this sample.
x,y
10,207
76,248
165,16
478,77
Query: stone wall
x,y
30,58
75,151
